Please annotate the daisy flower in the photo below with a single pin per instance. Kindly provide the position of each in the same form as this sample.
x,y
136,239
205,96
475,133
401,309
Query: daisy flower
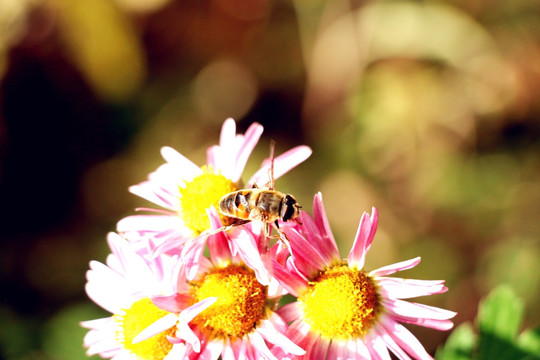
x,y
125,287
343,311
241,323
184,191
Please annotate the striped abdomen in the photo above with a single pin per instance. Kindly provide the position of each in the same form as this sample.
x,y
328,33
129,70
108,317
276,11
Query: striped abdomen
x,y
253,204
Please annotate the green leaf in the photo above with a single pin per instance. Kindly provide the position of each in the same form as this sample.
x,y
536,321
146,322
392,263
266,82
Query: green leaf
x,y
501,313
459,345
16,334
529,342
63,336
499,320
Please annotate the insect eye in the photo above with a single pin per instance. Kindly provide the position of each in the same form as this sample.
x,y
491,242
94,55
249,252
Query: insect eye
x,y
288,210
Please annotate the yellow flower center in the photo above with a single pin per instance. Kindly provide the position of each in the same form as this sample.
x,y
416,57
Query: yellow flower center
x,y
199,194
140,315
240,303
342,303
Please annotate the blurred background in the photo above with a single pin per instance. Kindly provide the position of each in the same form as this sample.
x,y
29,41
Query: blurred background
x,y
428,110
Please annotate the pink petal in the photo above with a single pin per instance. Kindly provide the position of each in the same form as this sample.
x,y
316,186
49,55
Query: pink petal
x,y
174,303
191,254
377,348
151,223
259,345
291,267
290,312
251,352
211,351
306,258
218,244
397,288
171,247
348,349
187,335
391,344
391,269
157,211
282,164
278,322
362,351
273,336
318,349
230,351
441,325
364,237
409,309
299,334
248,250
406,340
118,245
147,190
327,245
290,281
317,234
212,157
279,252
238,348
251,139
336,352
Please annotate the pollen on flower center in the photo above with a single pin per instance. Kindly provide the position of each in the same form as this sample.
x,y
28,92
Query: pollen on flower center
x,y
140,315
199,194
240,303
342,303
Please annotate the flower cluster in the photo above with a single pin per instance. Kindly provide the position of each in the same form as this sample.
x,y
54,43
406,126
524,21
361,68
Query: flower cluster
x,y
188,282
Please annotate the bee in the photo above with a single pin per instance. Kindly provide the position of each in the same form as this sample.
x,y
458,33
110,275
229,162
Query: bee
x,y
265,205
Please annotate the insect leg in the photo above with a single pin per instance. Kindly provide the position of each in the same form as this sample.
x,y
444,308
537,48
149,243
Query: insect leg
x,y
281,235
236,223
283,238
266,230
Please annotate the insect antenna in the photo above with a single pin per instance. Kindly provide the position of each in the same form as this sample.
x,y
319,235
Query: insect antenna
x,y
271,171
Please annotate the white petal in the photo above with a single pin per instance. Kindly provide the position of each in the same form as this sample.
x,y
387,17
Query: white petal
x,y
157,327
272,335
180,161
406,340
259,344
410,309
151,223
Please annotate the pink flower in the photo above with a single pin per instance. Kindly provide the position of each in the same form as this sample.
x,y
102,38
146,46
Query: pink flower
x,y
185,191
343,311
125,287
240,323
